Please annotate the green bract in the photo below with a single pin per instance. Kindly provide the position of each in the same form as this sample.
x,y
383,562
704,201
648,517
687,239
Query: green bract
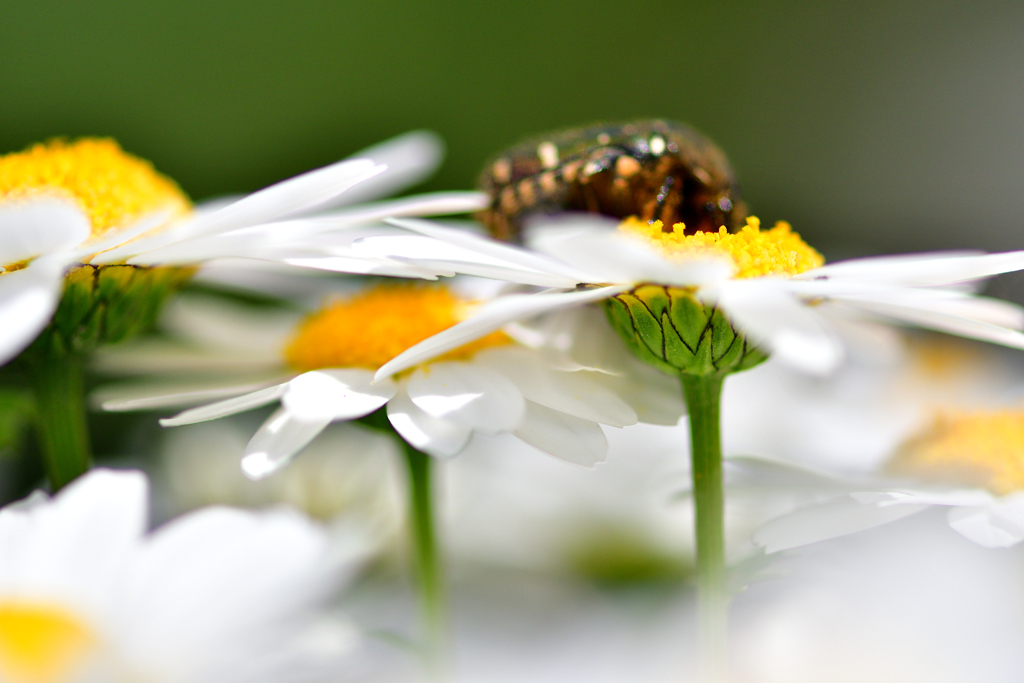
x,y
671,329
106,305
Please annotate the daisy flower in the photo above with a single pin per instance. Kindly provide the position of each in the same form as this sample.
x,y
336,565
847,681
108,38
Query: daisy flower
x,y
702,307
86,594
773,287
327,362
88,219
493,385
969,461
94,240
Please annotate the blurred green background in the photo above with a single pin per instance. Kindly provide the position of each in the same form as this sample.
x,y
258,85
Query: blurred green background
x,y
870,126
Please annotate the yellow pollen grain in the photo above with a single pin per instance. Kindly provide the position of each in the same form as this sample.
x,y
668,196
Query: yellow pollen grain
x,y
755,253
982,448
372,327
40,644
112,187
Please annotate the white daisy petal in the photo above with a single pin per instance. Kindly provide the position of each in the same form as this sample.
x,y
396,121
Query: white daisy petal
x,y
941,268
231,406
654,396
291,196
28,298
490,318
409,159
165,357
340,394
573,393
353,266
127,397
91,525
196,250
277,441
326,231
148,223
487,250
998,525
932,316
234,559
435,436
426,252
426,204
823,521
960,497
953,302
468,393
566,437
611,256
772,317
981,308
42,226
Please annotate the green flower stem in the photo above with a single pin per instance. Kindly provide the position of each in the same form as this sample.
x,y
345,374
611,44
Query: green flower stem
x,y
703,400
57,382
428,567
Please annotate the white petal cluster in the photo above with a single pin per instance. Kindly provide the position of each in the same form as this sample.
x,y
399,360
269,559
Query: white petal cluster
x,y
307,221
554,404
827,442
987,519
588,260
215,595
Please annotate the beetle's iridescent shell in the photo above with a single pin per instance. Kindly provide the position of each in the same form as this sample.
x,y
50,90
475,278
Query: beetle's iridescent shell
x,y
653,169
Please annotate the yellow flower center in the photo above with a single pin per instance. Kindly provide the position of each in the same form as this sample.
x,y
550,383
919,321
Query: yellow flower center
x,y
372,327
778,251
984,449
40,644
112,188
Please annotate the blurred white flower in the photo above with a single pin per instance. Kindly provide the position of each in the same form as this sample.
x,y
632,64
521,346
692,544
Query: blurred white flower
x,y
347,474
628,521
905,603
88,204
936,424
769,284
218,595
491,386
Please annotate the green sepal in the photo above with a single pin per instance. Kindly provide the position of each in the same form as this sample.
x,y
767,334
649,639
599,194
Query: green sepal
x,y
108,304
671,329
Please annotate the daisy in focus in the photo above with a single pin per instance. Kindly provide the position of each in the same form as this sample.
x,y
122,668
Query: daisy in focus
x,y
324,367
86,594
93,241
702,307
326,364
663,289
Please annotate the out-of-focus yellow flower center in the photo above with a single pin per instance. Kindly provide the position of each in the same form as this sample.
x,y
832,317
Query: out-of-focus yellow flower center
x,y
778,251
40,644
372,327
112,187
984,449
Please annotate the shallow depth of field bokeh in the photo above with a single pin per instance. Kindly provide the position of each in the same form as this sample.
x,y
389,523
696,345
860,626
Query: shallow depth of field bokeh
x,y
872,127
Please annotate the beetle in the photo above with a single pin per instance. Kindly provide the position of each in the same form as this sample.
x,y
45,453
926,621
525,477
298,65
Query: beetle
x,y
653,169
